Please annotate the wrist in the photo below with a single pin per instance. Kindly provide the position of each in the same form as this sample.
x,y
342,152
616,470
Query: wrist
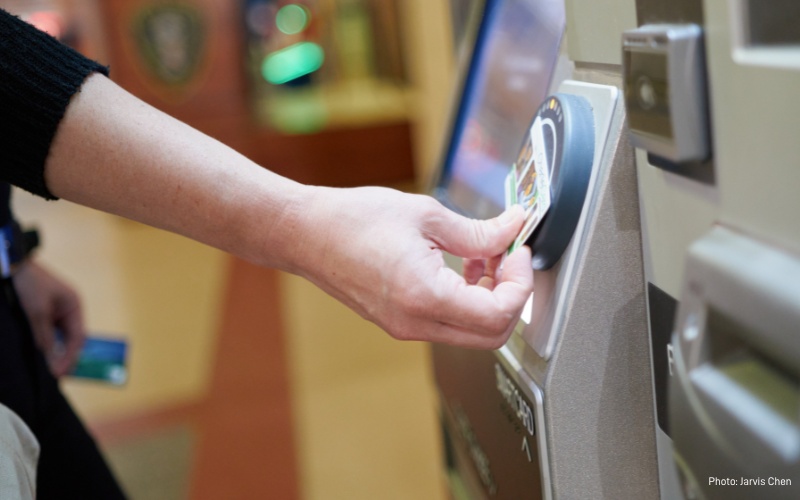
x,y
278,225
298,235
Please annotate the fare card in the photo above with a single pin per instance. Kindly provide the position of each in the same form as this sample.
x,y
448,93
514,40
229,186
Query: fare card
x,y
528,183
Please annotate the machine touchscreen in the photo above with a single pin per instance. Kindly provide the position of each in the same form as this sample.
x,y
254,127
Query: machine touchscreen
x,y
509,75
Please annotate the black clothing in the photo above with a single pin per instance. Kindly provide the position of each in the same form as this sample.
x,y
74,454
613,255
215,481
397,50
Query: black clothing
x,y
70,465
38,76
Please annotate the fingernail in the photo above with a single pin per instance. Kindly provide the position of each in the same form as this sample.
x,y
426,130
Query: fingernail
x,y
509,215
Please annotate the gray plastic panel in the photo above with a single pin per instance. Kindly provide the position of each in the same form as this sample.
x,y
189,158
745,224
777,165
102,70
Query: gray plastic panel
x,y
735,393
534,393
553,285
589,320
592,395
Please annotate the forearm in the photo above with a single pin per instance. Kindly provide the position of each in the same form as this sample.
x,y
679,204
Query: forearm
x,y
377,250
115,153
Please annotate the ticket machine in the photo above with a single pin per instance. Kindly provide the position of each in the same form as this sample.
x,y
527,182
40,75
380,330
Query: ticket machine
x,y
564,410
721,240
659,356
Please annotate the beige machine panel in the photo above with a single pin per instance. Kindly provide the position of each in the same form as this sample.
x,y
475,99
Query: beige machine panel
x,y
754,101
756,119
594,29
675,212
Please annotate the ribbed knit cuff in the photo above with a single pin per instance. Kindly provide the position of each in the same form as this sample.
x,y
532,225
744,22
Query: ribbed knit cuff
x,y
38,76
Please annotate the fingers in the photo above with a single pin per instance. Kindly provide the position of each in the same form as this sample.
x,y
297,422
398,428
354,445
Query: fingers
x,y
479,315
473,270
51,306
489,278
493,306
43,332
454,335
516,280
476,238
482,272
74,336
416,296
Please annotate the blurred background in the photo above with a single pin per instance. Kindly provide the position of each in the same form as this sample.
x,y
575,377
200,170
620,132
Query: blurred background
x,y
246,382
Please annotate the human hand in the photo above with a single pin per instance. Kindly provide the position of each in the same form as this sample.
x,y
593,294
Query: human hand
x,y
51,305
377,250
380,252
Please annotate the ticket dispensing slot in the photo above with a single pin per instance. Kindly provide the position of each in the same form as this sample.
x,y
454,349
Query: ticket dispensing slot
x,y
735,389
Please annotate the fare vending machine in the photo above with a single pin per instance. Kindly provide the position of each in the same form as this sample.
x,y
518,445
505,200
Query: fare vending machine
x,y
655,148
564,410
713,90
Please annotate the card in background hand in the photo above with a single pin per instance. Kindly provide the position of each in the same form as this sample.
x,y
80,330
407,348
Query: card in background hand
x,y
103,359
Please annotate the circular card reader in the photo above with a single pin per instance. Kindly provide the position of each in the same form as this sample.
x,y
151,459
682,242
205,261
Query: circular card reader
x,y
562,139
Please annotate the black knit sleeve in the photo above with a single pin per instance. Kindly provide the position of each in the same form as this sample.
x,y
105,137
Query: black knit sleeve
x,y
38,76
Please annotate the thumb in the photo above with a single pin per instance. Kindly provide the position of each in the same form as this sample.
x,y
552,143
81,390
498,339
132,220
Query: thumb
x,y
479,239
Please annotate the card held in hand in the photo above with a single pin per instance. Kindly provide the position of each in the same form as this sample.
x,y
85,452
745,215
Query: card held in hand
x,y
528,182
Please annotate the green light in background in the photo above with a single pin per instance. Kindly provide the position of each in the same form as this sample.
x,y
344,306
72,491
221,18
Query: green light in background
x,y
292,19
292,62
